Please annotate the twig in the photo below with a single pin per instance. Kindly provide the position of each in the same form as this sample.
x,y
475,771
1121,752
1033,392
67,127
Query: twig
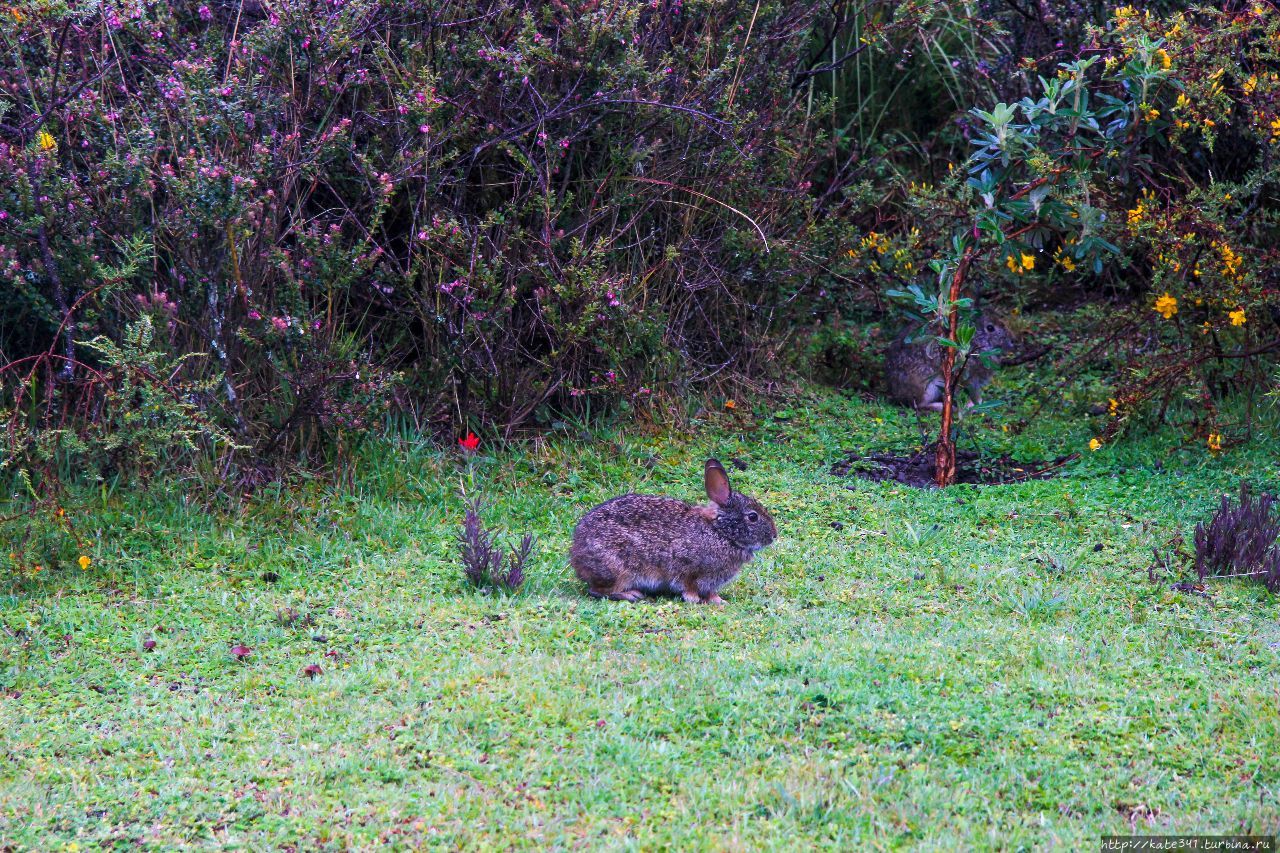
x,y
754,224
1027,358
1203,630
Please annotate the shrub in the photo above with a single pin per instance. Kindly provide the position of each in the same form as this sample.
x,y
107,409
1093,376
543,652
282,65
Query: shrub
x,y
1144,169
524,207
1240,540
483,562
134,412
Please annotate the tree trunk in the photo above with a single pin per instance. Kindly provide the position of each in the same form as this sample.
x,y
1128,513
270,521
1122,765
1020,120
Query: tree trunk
x,y
944,470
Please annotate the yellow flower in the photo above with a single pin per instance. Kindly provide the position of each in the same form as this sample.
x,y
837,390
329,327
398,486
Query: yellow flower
x,y
1250,84
1237,317
1094,444
1162,56
1142,209
1113,406
84,562
1215,441
730,404
1067,264
1231,260
876,241
46,141
1020,263
1150,113
1166,306
1275,128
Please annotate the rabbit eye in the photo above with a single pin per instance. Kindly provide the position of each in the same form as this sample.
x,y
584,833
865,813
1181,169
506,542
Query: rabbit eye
x,y
990,328
753,517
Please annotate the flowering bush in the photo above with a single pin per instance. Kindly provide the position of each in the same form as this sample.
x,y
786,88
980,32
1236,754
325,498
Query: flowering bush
x,y
1143,167
496,213
518,206
1195,222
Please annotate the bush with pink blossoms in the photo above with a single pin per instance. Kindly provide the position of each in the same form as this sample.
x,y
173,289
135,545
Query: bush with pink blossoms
x,y
502,202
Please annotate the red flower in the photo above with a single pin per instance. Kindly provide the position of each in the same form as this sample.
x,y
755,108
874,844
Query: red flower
x,y
470,443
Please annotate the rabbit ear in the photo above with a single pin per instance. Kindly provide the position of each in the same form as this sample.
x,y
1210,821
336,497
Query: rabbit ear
x,y
716,480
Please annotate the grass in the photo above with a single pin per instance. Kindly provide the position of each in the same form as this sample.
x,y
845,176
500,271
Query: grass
x,y
984,667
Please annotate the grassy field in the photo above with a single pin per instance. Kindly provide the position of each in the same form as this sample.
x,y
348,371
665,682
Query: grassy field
x,y
983,667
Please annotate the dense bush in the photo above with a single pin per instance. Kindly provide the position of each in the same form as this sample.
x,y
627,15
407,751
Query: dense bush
x,y
492,213
1141,173
518,206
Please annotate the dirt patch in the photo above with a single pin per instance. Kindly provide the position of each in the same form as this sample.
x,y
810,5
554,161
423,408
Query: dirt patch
x,y
917,469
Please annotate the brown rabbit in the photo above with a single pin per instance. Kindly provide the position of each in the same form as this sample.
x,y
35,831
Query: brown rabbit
x,y
914,369
638,545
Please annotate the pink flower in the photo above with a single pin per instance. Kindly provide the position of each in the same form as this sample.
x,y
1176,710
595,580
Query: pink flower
x,y
205,14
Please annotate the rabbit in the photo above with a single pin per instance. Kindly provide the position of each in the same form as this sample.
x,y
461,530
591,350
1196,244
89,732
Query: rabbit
x,y
637,545
914,369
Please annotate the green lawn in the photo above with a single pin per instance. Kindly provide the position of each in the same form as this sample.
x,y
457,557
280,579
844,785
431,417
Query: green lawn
x,y
982,667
